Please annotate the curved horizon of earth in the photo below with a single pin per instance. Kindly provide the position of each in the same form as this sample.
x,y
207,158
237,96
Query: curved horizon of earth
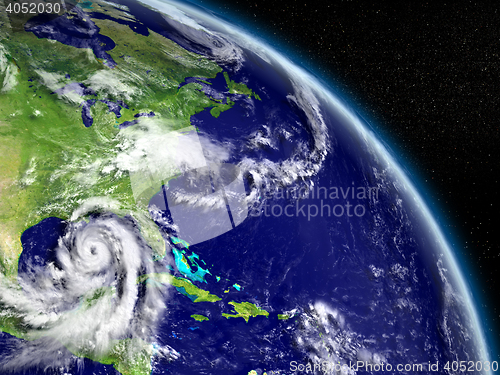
x,y
177,196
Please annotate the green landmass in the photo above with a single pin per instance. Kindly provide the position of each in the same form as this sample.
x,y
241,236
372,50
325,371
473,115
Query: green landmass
x,y
287,315
163,79
179,282
245,310
217,110
50,163
95,295
199,318
239,88
128,356
11,322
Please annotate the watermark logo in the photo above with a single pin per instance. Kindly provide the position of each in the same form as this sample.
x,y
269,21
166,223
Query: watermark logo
x,y
333,201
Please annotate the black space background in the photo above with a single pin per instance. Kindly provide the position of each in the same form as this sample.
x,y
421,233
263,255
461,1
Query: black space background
x,y
427,76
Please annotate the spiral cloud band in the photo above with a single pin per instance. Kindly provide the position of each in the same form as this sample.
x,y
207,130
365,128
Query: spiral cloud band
x,y
86,298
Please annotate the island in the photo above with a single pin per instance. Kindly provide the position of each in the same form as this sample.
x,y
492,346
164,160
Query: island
x,y
245,310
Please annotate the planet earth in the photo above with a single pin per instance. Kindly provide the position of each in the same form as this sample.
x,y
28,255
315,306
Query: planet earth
x,y
178,197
